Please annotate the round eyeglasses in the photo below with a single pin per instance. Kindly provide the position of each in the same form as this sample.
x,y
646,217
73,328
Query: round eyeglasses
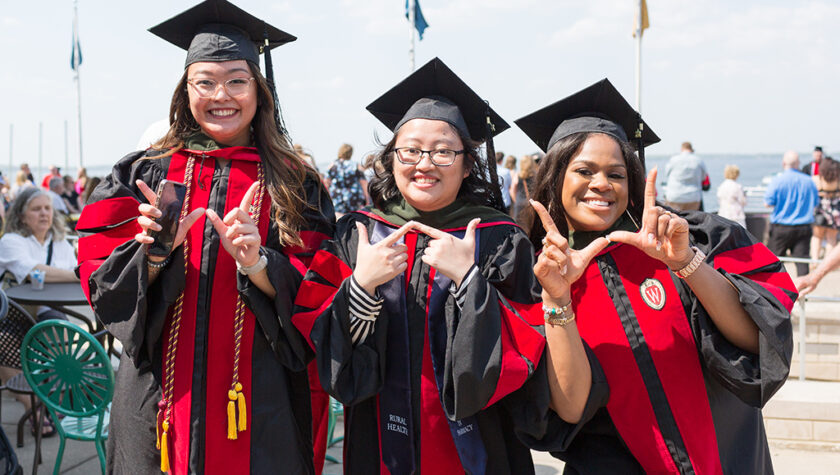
x,y
441,157
205,87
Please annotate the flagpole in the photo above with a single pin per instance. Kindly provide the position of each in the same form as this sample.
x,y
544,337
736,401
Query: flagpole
x,y
11,149
411,27
76,78
639,59
40,149
66,149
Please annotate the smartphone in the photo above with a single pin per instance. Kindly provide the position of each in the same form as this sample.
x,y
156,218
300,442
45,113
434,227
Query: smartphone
x,y
170,199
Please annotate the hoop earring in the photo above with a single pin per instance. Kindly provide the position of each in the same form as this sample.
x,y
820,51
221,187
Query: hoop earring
x,y
631,219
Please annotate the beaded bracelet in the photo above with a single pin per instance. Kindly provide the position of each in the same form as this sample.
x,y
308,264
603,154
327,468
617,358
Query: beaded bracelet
x,y
558,316
158,265
693,265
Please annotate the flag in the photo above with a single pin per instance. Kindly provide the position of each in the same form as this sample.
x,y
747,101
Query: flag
x,y
419,21
76,54
645,21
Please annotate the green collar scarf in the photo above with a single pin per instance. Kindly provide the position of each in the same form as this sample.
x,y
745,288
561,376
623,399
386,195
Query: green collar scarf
x,y
580,239
456,215
200,142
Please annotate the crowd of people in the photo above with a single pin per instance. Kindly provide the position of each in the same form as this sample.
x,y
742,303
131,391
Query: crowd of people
x,y
464,309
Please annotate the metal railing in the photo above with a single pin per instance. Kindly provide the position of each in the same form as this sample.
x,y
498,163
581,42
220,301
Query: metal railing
x,y
802,320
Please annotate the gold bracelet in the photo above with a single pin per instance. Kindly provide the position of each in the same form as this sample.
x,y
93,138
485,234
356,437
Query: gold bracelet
x,y
558,316
693,265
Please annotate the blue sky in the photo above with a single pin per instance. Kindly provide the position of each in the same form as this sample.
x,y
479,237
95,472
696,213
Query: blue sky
x,y
732,77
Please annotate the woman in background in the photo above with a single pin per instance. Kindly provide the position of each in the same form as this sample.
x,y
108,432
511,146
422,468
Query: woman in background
x,y
827,213
731,197
346,182
521,187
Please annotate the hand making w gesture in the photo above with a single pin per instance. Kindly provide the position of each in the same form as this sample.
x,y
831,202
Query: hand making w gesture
x,y
378,263
239,235
663,235
451,256
559,266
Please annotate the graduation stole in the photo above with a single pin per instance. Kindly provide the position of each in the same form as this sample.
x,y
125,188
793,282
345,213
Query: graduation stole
x,y
245,168
395,410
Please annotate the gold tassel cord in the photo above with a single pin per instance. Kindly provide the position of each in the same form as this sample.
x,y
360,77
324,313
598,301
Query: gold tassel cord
x,y
235,393
243,414
164,448
168,382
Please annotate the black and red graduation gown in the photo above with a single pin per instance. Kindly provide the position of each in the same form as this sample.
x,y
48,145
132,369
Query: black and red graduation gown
x,y
422,391
670,394
113,271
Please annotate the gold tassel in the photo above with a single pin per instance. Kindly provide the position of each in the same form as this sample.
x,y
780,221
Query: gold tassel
x,y
164,449
157,435
231,415
243,415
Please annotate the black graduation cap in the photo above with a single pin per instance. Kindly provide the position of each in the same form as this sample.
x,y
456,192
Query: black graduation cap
x,y
598,108
435,92
217,30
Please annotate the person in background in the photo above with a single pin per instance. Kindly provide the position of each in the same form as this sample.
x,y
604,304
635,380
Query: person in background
x,y
510,164
807,283
306,157
731,197
81,180
505,180
71,198
90,186
827,214
793,197
521,185
686,180
812,168
55,190
21,183
24,167
346,183
55,172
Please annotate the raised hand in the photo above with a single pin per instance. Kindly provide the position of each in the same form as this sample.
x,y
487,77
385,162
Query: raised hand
x,y
378,263
239,235
451,256
148,214
663,235
559,266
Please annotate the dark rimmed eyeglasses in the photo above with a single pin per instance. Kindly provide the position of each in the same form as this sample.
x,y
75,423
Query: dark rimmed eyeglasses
x,y
442,157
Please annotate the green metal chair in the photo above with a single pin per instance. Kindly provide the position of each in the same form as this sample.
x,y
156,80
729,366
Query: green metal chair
x,y
336,409
72,374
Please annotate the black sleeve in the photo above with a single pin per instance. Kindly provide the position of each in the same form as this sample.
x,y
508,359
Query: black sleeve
x,y
537,425
349,373
495,335
133,311
767,294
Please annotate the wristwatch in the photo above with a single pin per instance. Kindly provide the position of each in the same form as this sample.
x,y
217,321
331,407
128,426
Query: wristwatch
x,y
250,270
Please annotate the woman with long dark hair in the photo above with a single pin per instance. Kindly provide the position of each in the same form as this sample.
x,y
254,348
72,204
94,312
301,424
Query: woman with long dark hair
x,y
423,311
687,316
212,377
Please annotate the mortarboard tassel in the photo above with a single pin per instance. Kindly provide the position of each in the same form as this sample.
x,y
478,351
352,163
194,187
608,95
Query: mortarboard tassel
x,y
243,415
641,141
490,149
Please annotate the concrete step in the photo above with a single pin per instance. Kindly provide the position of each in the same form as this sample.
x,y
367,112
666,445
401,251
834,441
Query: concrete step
x,y
805,415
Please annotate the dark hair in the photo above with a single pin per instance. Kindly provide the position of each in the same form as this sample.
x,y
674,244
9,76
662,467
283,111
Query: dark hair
x,y
476,188
829,169
548,189
284,170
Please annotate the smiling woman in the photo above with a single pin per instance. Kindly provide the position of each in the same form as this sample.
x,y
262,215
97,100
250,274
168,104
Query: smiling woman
x,y
213,374
423,310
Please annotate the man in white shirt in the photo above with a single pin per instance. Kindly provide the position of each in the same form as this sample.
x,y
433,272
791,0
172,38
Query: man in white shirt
x,y
55,191
504,180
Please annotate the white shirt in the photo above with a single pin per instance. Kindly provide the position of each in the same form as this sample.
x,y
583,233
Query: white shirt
x,y
731,201
19,255
58,202
504,181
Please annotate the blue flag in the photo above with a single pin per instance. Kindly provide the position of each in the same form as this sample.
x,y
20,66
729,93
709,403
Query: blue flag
x,y
419,20
76,54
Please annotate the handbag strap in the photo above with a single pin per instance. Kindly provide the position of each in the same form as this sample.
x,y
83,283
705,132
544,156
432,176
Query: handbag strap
x,y
49,252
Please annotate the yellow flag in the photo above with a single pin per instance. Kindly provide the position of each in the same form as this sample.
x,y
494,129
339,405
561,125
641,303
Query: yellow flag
x,y
645,21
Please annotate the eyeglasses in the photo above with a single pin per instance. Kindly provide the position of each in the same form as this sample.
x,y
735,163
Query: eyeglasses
x,y
441,157
208,87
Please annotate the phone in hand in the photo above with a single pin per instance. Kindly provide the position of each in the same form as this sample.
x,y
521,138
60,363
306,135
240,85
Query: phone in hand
x,y
170,199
